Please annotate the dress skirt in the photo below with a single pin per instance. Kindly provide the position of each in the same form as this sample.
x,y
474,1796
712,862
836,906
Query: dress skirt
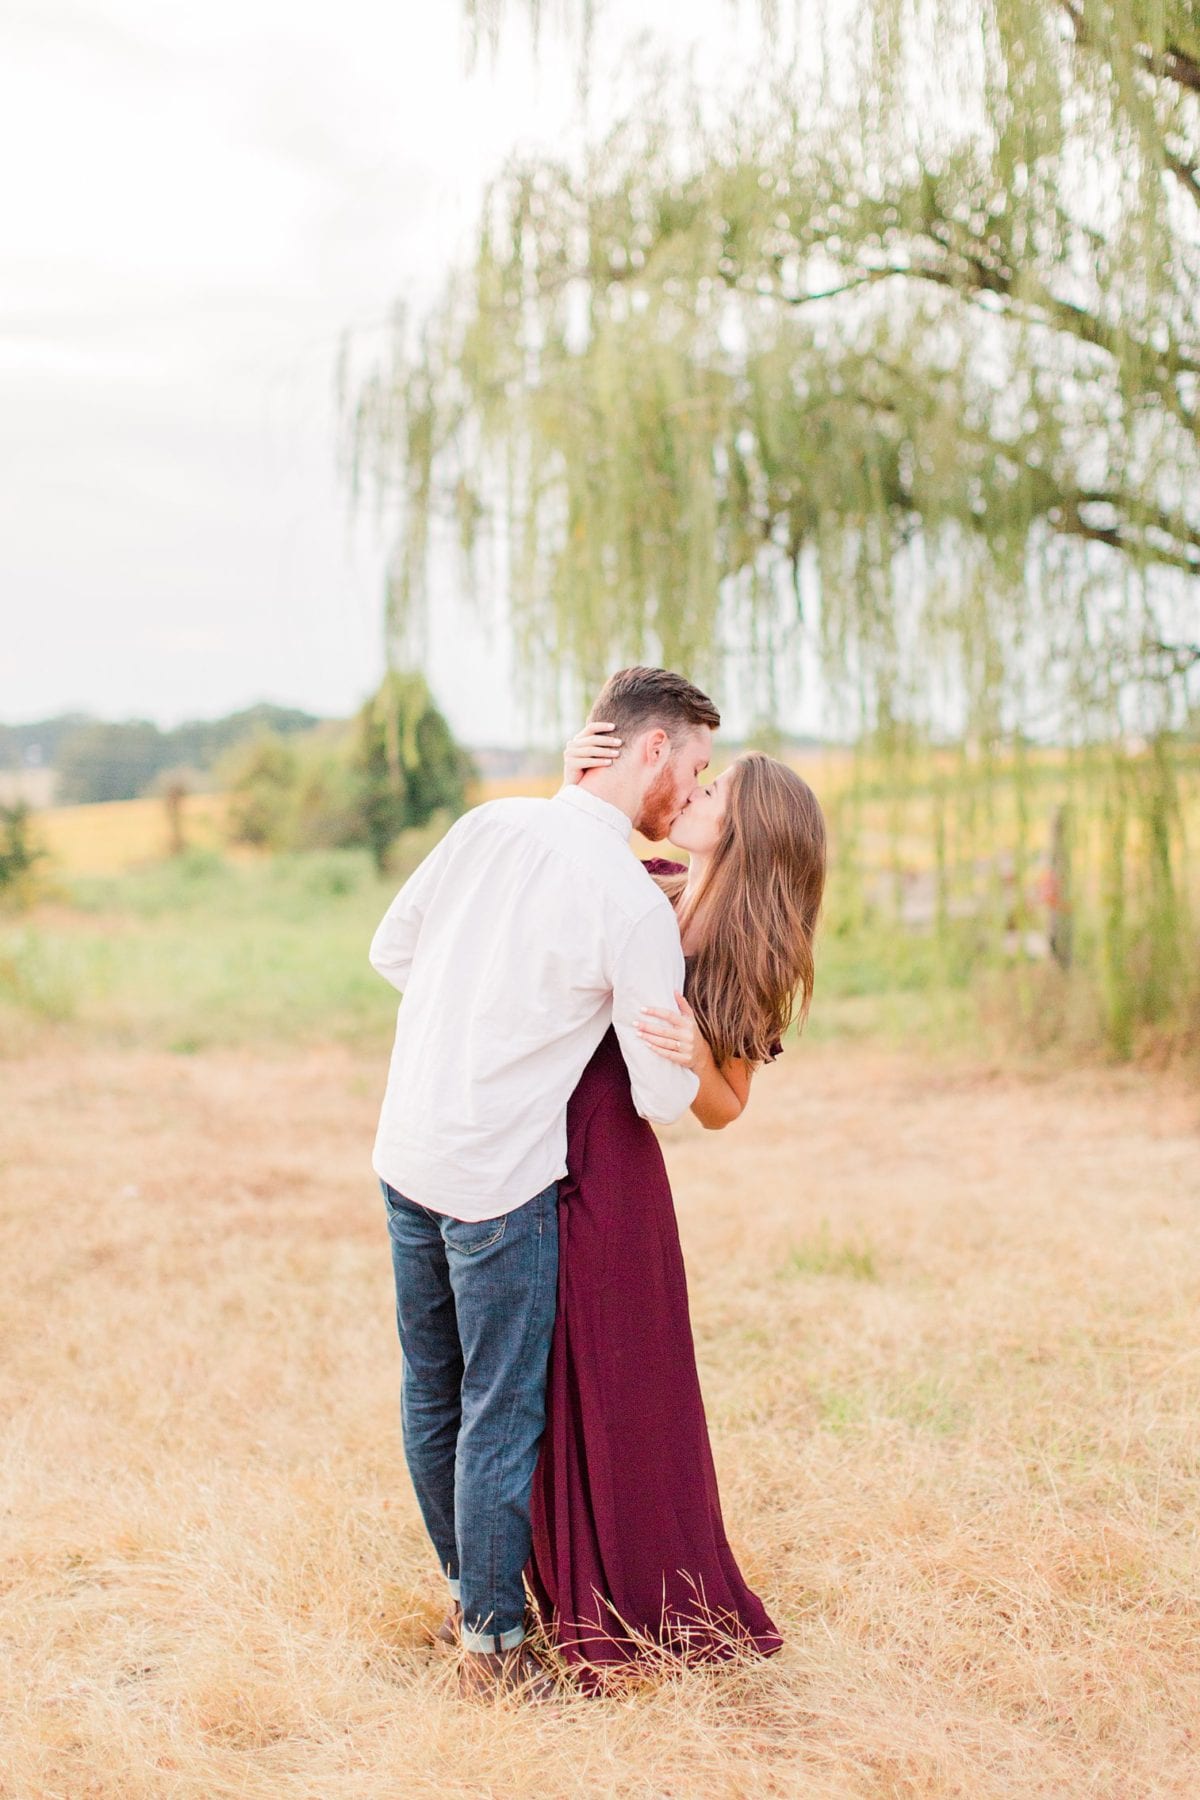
x,y
630,1558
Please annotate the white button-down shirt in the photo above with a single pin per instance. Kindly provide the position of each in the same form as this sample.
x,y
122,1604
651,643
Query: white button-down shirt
x,y
521,937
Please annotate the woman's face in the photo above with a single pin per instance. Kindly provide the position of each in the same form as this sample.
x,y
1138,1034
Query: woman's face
x,y
698,827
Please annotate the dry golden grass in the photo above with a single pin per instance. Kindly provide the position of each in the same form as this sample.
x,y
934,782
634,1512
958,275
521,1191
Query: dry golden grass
x,y
957,1426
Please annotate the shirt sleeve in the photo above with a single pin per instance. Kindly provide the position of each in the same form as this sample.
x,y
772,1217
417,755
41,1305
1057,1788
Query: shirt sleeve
x,y
648,972
395,942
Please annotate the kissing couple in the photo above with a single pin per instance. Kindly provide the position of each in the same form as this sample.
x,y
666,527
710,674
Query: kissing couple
x,y
559,996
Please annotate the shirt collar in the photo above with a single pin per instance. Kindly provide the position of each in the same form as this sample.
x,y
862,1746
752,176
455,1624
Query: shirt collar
x,y
610,815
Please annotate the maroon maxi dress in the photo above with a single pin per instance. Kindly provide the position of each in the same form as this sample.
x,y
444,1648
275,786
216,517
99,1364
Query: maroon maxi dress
x,y
630,1556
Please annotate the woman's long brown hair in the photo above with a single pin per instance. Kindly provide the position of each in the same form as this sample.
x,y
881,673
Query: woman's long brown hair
x,y
754,915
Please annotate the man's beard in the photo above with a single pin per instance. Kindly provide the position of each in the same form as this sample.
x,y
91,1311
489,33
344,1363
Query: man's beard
x,y
659,807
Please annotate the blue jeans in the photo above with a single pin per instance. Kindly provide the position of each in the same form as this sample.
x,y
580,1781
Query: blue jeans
x,y
475,1312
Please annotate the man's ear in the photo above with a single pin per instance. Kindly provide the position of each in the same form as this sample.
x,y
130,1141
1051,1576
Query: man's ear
x,y
656,746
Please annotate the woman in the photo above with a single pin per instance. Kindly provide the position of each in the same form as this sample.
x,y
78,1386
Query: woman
x,y
630,1559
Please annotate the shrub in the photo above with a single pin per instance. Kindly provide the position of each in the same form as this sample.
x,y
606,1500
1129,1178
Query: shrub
x,y
394,771
261,780
19,855
409,765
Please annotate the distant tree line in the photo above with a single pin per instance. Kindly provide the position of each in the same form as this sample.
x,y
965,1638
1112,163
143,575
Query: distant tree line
x,y
37,745
99,760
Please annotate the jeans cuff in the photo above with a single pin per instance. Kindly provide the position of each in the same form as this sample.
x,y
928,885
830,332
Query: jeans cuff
x,y
491,1642
455,1586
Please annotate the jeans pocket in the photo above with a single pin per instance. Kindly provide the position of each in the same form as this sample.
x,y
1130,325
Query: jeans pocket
x,y
470,1236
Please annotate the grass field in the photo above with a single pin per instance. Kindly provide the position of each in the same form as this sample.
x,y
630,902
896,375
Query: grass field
x,y
137,949
946,1301
947,1325
935,916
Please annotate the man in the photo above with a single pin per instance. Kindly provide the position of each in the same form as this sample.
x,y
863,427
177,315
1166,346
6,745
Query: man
x,y
520,938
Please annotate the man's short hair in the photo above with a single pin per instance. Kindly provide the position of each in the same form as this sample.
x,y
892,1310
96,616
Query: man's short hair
x,y
639,699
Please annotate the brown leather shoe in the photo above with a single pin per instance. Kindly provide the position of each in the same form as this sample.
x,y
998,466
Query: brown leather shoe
x,y
447,1634
486,1674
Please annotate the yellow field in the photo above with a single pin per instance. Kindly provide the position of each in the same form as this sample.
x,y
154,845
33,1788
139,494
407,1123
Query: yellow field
x,y
109,838
119,834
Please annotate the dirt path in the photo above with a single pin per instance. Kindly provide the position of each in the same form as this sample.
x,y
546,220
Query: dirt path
x,y
949,1333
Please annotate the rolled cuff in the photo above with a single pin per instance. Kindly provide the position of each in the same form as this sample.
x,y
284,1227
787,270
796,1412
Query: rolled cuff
x,y
492,1642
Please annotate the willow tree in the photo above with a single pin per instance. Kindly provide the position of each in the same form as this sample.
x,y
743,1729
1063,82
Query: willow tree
x,y
906,354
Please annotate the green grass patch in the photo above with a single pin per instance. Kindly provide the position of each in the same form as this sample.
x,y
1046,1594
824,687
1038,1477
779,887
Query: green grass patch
x,y
38,978
200,952
820,1255
841,1410
924,1402
928,1403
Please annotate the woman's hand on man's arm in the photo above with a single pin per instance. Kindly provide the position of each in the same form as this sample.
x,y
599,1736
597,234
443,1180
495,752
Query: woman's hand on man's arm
x,y
723,1092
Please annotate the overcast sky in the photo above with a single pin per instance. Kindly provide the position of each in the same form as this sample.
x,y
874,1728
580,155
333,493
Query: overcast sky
x,y
198,201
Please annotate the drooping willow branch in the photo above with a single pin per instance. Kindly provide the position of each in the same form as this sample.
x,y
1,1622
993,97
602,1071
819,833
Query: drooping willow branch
x,y
943,384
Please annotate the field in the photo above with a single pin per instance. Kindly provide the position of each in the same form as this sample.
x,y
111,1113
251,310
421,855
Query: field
x,y
121,834
946,1301
947,1324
